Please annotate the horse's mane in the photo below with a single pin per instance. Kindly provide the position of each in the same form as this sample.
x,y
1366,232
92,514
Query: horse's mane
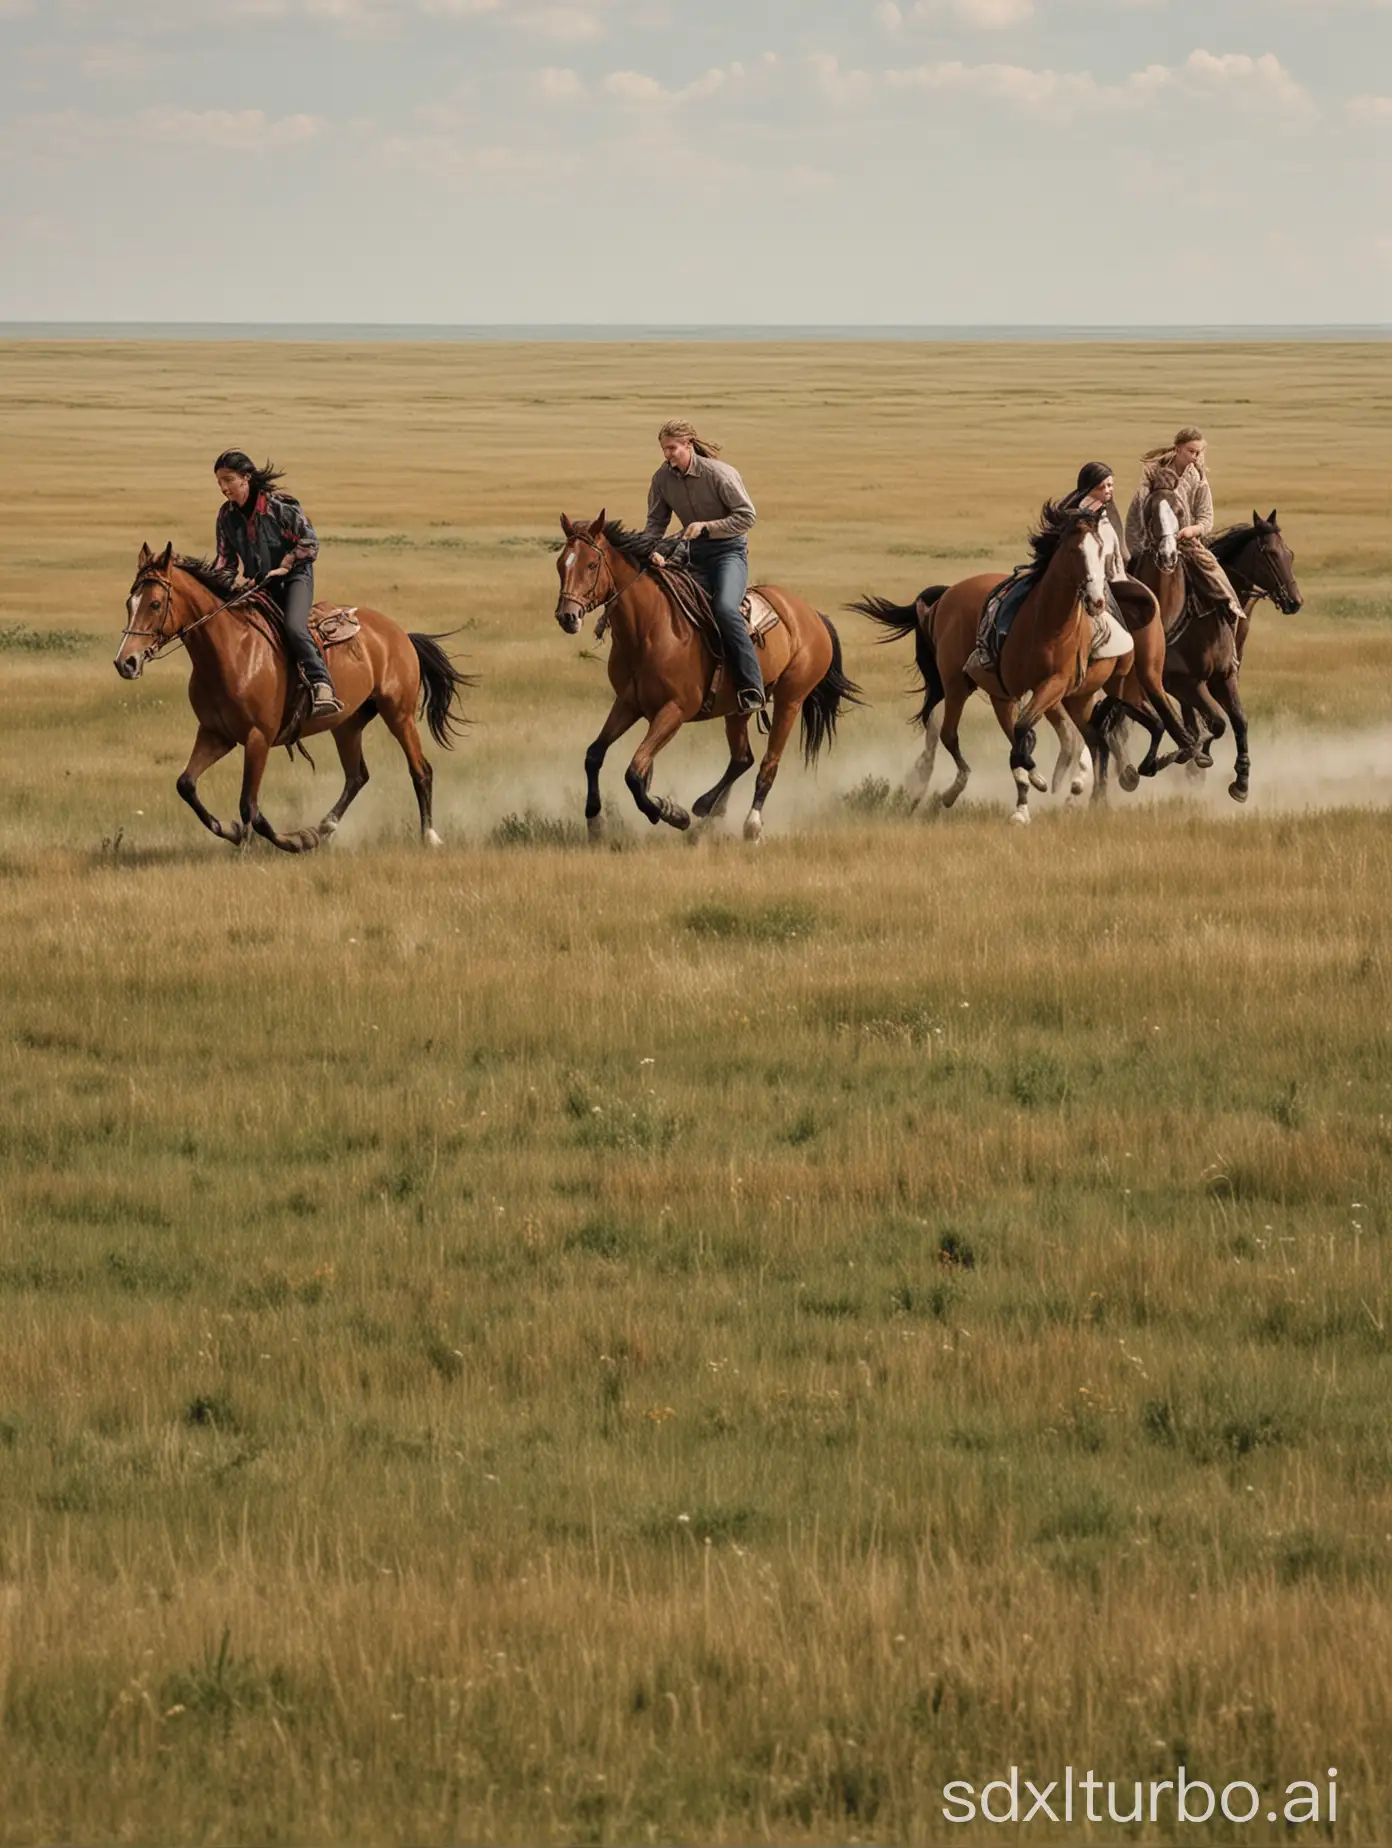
x,y
637,548
1055,522
1226,545
219,579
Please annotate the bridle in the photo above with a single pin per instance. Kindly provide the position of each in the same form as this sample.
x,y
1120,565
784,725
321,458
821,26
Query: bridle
x,y
1275,592
614,595
598,602
166,639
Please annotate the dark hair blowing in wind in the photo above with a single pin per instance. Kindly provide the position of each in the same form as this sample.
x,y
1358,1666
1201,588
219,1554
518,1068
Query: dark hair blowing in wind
x,y
240,463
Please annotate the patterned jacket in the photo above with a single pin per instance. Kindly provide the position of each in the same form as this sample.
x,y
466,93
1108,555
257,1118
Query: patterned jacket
x,y
272,531
1195,504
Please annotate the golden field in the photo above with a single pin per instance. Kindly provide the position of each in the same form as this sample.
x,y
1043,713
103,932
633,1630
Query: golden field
x,y
684,1342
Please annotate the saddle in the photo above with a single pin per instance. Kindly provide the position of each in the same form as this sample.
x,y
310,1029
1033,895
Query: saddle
x,y
1109,639
998,613
330,624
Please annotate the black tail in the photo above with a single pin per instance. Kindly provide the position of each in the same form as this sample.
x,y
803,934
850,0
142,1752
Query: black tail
x,y
822,707
902,620
441,685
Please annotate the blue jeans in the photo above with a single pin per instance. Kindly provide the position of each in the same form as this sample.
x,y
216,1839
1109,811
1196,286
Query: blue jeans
x,y
724,563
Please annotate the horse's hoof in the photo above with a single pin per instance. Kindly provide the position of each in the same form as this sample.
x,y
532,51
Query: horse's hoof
x,y
1238,791
595,824
1037,783
701,808
754,827
1129,777
676,818
431,839
1020,817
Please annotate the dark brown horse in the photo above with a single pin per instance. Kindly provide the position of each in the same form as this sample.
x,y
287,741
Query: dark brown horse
x,y
944,622
1203,654
662,670
240,689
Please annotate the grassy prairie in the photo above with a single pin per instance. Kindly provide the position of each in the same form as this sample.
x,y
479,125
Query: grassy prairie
x,y
680,1343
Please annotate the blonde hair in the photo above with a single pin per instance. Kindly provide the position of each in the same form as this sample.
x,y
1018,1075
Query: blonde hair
x,y
678,430
1164,456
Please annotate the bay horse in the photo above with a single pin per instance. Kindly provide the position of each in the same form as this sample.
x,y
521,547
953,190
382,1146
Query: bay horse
x,y
240,686
945,620
661,669
1203,647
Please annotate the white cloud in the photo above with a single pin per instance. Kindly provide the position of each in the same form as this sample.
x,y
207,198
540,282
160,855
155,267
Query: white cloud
x,y
1370,108
226,128
557,86
1232,71
1235,76
987,15
837,85
638,88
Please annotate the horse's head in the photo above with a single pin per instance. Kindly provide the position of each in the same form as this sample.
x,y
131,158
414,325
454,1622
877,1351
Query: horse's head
x,y
150,615
1085,524
1275,569
1160,517
587,578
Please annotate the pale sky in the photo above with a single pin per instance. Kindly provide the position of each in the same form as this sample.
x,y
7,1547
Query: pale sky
x,y
666,161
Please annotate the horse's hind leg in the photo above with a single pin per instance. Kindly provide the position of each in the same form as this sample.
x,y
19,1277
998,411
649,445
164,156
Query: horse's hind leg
x,y
785,716
402,726
954,701
713,804
917,781
661,730
208,749
348,738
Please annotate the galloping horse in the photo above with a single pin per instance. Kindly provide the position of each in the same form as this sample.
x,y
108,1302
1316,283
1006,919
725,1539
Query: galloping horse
x,y
1203,655
662,670
1159,569
241,684
944,622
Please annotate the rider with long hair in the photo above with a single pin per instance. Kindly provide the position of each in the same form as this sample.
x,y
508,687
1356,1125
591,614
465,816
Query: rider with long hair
x,y
1184,458
263,534
716,513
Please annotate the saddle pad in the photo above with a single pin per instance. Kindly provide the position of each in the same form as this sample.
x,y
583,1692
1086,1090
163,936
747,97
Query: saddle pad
x,y
1110,638
332,622
759,614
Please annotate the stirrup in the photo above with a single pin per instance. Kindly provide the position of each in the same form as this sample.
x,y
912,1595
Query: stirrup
x,y
323,700
751,699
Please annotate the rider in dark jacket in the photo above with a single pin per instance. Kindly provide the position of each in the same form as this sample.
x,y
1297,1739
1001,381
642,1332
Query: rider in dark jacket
x,y
266,536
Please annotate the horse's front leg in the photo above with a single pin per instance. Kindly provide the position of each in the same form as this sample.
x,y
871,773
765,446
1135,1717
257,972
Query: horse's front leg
x,y
1036,705
623,715
661,730
208,749
1224,688
255,753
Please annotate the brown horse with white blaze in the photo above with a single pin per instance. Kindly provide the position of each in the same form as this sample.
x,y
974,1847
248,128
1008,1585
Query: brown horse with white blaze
x,y
1051,627
240,688
662,670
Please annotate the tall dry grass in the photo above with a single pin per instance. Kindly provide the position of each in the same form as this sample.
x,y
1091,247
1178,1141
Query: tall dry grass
x,y
669,1343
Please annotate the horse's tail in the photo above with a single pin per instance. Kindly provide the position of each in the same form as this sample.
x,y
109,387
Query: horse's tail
x,y
441,685
822,707
901,620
